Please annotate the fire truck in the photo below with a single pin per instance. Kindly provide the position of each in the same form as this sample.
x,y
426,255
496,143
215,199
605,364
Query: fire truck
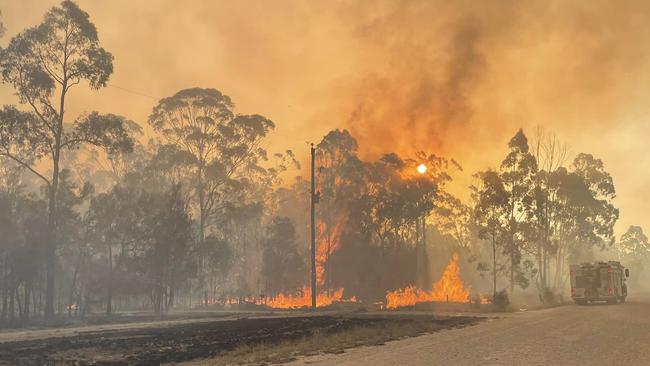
x,y
598,281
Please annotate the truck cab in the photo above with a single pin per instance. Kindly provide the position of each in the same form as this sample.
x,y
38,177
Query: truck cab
x,y
598,282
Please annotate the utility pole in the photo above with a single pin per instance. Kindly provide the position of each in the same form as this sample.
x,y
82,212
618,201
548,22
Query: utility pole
x,y
313,228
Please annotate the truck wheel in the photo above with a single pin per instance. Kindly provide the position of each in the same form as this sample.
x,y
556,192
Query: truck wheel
x,y
580,302
621,299
611,301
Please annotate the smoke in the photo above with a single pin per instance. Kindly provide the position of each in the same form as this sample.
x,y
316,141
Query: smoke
x,y
419,91
456,78
459,78
452,75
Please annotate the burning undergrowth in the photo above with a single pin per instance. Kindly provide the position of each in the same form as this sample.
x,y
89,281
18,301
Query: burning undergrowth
x,y
449,288
376,221
302,298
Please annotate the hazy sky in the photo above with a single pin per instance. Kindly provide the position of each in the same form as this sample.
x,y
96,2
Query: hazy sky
x,y
456,78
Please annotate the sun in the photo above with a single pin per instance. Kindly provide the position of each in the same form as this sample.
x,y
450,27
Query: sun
x,y
422,168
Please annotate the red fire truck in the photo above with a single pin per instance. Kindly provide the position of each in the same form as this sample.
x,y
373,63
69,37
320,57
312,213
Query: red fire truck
x,y
598,281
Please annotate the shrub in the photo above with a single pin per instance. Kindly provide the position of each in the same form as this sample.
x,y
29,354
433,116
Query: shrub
x,y
549,297
500,300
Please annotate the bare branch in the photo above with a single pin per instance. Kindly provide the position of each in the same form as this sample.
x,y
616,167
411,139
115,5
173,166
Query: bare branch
x,y
25,165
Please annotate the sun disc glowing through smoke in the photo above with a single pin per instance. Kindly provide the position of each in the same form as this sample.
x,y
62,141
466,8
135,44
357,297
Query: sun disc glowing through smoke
x,y
422,168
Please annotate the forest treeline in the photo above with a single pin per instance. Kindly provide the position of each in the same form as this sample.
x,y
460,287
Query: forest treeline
x,y
98,216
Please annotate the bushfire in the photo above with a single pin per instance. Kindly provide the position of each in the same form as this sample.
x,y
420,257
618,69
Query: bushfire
x,y
450,287
328,243
302,298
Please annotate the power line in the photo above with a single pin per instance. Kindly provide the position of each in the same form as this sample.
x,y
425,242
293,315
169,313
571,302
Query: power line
x,y
133,92
286,136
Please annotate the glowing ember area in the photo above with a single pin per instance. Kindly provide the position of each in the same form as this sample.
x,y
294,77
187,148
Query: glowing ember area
x,y
450,287
302,298
483,299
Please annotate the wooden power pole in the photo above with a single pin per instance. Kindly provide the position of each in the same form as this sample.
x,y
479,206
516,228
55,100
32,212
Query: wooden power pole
x,y
313,228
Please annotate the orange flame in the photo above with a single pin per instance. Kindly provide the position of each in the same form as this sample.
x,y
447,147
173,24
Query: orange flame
x,y
450,287
483,299
328,242
302,298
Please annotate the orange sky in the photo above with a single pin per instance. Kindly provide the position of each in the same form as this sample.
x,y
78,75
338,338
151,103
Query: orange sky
x,y
455,78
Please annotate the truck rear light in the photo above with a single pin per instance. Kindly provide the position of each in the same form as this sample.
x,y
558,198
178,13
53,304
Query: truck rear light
x,y
610,291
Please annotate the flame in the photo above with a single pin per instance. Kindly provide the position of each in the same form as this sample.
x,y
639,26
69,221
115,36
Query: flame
x,y
302,298
450,287
328,242
484,299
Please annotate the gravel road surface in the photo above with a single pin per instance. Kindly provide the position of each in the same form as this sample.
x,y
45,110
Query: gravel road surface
x,y
566,335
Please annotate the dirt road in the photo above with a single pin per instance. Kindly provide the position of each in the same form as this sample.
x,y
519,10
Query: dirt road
x,y
567,335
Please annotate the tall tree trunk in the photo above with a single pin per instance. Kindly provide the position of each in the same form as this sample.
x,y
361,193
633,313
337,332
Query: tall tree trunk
x,y
544,269
202,221
52,206
73,287
170,299
12,301
28,290
539,265
328,267
109,285
21,315
5,287
512,273
494,267
159,298
34,302
40,297
50,254
513,230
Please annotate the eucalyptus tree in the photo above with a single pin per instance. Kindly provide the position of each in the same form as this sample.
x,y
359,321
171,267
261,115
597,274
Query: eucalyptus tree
x,y
387,211
634,250
220,149
43,63
603,214
634,243
586,212
165,254
104,170
491,215
283,269
336,159
518,171
114,219
551,156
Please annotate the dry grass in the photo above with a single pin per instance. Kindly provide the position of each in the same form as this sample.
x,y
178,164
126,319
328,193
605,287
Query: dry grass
x,y
319,342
